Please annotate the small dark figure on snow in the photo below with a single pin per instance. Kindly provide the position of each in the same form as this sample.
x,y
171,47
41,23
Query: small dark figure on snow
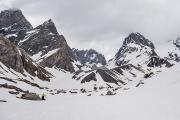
x,y
43,97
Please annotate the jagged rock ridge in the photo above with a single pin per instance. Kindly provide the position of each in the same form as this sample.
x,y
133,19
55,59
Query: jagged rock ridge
x,y
89,57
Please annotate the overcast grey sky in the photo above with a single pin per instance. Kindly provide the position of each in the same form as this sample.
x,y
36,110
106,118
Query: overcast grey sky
x,y
101,24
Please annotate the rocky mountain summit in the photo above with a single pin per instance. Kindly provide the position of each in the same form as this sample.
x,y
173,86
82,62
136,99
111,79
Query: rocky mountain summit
x,y
47,47
90,56
14,25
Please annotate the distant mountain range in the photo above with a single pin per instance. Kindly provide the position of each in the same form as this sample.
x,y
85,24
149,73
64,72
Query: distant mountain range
x,y
28,54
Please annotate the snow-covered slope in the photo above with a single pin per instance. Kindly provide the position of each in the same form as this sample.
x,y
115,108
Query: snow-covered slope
x,y
157,99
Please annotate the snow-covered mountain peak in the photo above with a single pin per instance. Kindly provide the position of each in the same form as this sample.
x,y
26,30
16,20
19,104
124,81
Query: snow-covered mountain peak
x,y
48,22
136,49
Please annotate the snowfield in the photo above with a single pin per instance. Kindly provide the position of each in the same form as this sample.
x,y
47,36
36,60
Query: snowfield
x,y
157,99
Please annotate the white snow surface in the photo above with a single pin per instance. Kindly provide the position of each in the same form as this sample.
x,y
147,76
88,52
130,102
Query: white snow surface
x,y
11,35
39,57
157,99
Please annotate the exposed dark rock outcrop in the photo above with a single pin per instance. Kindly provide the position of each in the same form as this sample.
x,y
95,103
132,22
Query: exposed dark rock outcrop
x,y
3,101
107,76
110,93
147,75
90,77
173,56
158,62
14,92
31,96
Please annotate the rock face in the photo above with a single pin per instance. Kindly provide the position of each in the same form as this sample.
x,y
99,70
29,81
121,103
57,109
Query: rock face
x,y
89,56
90,77
43,38
14,25
18,60
107,76
47,47
10,55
